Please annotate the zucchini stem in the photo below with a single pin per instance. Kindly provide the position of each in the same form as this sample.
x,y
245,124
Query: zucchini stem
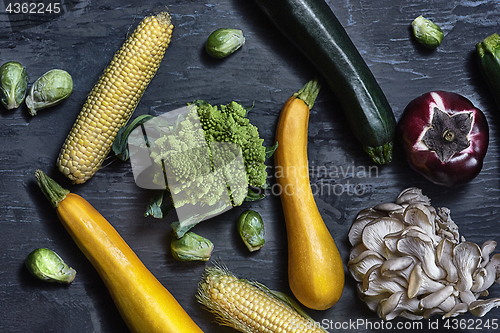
x,y
52,190
489,63
489,45
309,92
381,154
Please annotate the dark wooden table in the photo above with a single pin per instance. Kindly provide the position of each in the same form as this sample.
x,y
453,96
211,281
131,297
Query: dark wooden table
x,y
267,70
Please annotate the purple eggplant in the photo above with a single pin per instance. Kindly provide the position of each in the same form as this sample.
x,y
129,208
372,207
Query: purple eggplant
x,y
445,137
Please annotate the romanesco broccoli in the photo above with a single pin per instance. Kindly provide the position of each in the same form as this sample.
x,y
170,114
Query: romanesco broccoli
x,y
199,156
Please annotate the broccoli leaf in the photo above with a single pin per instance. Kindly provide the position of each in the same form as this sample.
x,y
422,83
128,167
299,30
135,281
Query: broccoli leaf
x,y
270,150
120,144
160,205
253,196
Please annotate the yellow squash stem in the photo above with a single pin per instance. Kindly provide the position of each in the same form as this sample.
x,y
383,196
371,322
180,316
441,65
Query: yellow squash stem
x,y
315,268
144,303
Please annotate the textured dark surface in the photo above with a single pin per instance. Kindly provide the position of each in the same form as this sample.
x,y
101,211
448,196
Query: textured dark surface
x,y
267,70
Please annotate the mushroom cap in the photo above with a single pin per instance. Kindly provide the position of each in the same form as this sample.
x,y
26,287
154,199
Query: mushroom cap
x,y
444,258
369,212
434,299
478,280
396,304
420,216
416,244
360,265
390,246
357,250
388,207
445,227
466,257
481,307
420,283
372,301
410,315
356,229
415,280
467,296
486,249
397,266
374,232
486,275
375,283
389,305
412,195
458,309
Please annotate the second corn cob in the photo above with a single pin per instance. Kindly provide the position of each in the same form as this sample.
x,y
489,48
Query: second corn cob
x,y
250,307
114,98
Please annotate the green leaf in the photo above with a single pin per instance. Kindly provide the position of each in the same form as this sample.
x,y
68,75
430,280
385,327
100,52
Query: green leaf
x,y
270,150
159,207
253,196
181,229
249,109
120,144
201,102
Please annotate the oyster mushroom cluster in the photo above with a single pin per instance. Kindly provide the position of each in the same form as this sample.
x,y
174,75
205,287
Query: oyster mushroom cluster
x,y
410,261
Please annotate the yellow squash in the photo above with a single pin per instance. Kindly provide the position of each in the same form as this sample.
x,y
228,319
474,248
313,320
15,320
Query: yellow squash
x,y
315,269
144,303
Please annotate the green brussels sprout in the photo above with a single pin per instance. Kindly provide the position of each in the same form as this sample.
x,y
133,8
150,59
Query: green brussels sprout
x,y
251,229
46,265
14,84
427,32
49,89
191,247
223,42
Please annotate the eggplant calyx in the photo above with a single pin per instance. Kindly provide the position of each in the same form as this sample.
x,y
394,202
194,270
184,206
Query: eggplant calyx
x,y
448,134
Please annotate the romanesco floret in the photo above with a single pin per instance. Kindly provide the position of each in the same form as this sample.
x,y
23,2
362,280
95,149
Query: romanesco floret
x,y
199,156
230,124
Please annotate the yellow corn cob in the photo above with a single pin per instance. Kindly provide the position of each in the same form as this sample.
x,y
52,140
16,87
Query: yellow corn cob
x,y
250,307
114,98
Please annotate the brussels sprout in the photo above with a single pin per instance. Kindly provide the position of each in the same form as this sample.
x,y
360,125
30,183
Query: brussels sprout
x,y
191,247
427,32
49,89
46,265
251,229
14,84
223,42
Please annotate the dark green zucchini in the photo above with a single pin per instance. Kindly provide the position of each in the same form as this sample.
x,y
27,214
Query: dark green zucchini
x,y
314,29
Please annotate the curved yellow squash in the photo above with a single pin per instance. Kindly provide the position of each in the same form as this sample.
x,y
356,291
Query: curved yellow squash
x,y
315,268
144,303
